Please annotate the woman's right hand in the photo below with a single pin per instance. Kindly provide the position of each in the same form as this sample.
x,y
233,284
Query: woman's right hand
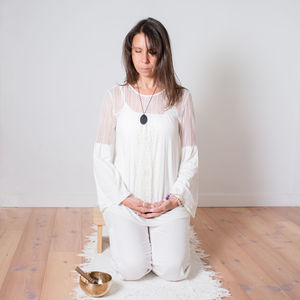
x,y
137,205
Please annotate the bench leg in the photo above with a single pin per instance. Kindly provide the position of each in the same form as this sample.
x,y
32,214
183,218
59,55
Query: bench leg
x,y
99,239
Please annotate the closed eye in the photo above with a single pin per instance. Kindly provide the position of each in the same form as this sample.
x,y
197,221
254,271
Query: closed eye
x,y
152,52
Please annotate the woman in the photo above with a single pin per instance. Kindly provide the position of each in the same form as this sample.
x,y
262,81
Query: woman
x,y
146,161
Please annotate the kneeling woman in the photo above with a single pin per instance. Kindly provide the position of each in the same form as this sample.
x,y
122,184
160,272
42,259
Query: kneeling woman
x,y
146,160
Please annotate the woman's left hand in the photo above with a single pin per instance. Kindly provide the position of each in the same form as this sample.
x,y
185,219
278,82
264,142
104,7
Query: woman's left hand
x,y
160,207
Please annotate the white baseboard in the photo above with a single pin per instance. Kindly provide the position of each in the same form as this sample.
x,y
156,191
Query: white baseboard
x,y
48,200
238,200
205,200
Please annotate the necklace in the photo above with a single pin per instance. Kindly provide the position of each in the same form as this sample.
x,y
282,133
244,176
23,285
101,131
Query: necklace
x,y
143,118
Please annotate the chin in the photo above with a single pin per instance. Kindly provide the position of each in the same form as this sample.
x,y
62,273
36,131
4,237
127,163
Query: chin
x,y
149,73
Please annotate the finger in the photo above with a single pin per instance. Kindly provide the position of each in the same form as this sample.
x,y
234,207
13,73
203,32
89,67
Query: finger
x,y
142,214
142,203
157,204
160,208
147,205
143,209
151,215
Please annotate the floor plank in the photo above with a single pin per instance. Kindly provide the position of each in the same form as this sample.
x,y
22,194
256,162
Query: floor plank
x,y
66,243
12,224
253,250
282,269
232,249
25,276
211,245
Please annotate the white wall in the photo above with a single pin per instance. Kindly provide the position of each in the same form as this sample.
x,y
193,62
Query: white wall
x,y
240,60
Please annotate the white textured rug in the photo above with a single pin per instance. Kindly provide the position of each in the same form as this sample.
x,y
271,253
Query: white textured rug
x,y
198,286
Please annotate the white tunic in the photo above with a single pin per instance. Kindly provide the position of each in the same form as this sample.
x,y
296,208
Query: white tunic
x,y
147,161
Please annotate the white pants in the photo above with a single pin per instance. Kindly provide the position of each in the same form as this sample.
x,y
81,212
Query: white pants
x,y
137,249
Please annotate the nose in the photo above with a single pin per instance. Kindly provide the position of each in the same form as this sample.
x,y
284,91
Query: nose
x,y
145,57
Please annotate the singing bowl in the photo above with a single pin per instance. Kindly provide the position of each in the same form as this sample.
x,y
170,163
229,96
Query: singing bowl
x,y
96,290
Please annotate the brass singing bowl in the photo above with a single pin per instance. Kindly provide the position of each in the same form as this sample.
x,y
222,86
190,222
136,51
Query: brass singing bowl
x,y
96,290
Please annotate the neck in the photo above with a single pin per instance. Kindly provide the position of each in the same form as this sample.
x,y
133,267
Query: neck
x,y
146,83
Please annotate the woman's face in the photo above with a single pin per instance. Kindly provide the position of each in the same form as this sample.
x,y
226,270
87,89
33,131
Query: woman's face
x,y
144,59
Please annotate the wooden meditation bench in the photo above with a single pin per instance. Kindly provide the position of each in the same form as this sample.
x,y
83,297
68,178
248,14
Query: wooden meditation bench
x,y
99,221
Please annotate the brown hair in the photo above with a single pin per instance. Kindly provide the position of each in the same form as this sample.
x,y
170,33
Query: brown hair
x,y
160,43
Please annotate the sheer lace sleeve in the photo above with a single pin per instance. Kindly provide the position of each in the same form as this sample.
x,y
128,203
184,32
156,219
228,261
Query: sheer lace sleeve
x,y
110,186
186,185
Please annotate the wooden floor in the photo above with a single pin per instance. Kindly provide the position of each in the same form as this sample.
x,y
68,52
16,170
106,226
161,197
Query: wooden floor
x,y
255,250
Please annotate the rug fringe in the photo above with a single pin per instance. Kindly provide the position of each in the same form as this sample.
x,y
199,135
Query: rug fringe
x,y
201,287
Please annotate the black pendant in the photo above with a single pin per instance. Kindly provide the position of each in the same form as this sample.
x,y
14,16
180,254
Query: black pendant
x,y
143,119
